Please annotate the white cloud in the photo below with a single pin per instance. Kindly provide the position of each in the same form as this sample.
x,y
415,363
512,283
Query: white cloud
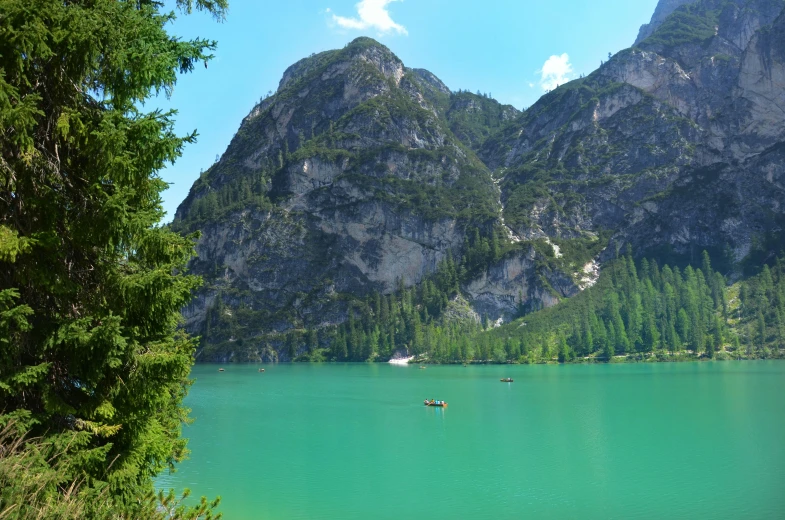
x,y
555,71
371,14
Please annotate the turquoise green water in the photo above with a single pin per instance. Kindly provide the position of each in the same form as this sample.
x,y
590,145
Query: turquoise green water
x,y
692,440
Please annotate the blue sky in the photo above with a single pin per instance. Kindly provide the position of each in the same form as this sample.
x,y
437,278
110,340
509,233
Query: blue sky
x,y
512,49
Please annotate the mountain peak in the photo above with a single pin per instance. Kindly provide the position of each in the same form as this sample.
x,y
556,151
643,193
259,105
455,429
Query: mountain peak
x,y
664,9
430,78
362,48
364,42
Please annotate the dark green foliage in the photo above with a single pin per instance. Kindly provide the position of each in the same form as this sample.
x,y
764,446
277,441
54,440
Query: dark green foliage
x,y
473,118
689,24
90,288
32,470
760,311
522,199
638,310
248,192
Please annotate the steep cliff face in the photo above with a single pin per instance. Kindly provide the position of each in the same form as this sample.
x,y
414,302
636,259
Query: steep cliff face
x,y
673,144
513,286
348,181
361,176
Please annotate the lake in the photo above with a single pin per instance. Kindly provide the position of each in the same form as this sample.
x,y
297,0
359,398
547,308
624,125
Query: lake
x,y
331,441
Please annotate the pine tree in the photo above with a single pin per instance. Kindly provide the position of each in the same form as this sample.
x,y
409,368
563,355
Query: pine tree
x,y
601,337
635,321
761,331
312,341
610,345
719,280
717,333
663,344
91,300
674,340
711,280
683,326
377,305
767,284
291,345
341,348
588,338
650,336
418,338
565,353
384,314
744,297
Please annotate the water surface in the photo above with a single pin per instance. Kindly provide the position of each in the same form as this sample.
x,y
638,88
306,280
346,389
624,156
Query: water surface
x,y
691,440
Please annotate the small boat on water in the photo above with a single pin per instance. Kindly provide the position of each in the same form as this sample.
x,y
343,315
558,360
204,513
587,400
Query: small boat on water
x,y
261,370
220,369
422,367
432,402
506,380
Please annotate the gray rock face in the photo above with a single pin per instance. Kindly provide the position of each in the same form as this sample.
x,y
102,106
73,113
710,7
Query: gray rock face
x,y
507,287
434,82
662,141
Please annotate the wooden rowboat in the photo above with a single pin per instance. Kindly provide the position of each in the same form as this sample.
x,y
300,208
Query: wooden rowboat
x,y
438,404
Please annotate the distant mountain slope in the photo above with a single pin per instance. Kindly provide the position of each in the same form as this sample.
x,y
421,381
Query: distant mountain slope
x,y
675,144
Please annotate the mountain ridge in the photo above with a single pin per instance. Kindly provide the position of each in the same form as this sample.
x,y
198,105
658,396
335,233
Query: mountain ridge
x,y
360,175
349,176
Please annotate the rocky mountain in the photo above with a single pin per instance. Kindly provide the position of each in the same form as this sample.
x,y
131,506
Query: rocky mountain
x,y
349,180
361,177
675,145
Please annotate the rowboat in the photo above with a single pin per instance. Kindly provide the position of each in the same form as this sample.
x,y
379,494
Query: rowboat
x,y
506,380
439,404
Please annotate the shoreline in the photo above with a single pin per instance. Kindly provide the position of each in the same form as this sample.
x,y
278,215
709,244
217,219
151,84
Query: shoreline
x,y
618,360
401,361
